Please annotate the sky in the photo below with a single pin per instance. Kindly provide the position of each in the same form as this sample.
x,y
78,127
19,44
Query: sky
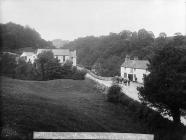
x,y
70,19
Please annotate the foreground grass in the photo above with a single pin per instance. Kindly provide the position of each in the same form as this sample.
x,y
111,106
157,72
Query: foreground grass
x,y
76,106
60,105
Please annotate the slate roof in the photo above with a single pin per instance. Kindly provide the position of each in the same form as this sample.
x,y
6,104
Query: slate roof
x,y
55,51
27,53
137,64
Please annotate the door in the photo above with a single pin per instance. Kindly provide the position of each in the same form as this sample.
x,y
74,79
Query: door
x,y
130,76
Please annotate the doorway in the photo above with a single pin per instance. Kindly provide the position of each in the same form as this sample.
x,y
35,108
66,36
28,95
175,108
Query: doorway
x,y
130,76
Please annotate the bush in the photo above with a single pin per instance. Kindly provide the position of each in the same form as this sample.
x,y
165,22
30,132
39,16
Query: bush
x,y
125,100
114,93
78,74
162,128
7,64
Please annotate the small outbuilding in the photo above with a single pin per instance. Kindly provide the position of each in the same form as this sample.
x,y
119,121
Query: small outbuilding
x,y
135,69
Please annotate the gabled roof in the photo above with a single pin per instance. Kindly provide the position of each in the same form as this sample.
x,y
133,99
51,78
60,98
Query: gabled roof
x,y
55,51
27,54
137,64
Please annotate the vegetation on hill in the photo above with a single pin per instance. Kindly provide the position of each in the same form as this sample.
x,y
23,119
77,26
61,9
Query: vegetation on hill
x,y
162,128
16,38
165,86
45,67
105,54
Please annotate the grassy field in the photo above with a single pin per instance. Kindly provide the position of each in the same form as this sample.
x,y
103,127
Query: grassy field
x,y
61,105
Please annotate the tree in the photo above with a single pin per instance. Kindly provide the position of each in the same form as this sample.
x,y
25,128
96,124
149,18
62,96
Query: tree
x,y
15,38
26,70
162,35
8,64
114,93
125,34
42,60
178,39
145,37
53,69
67,70
161,40
165,87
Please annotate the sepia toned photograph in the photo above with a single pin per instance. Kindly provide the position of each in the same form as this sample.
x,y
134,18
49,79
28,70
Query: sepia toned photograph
x,y
93,69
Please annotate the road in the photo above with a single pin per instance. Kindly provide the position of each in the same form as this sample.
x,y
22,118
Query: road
x,y
130,91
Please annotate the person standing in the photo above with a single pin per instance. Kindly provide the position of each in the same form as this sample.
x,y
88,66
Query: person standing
x,y
128,82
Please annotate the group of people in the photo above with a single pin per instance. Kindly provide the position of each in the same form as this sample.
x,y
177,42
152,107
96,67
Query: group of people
x,y
121,80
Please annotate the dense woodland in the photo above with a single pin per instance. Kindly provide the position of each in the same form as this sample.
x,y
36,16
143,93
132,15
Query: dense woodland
x,y
16,38
105,54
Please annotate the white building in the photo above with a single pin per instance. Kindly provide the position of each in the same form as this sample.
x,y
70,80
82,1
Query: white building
x,y
62,54
134,70
28,56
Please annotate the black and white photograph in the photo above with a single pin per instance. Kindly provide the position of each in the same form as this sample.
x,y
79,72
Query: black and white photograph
x,y
93,69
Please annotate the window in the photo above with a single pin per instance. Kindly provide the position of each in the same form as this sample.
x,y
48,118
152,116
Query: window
x,y
134,69
125,75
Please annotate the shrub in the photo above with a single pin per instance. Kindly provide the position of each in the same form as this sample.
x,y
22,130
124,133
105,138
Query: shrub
x,y
7,64
114,93
101,88
78,74
125,100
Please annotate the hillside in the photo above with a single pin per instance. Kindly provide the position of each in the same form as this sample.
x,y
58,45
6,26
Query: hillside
x,y
73,106
61,105
105,54
15,38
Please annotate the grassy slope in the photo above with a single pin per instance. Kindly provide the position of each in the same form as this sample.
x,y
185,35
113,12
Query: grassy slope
x,y
60,105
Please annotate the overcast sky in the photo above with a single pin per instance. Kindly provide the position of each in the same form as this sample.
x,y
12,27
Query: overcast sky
x,y
70,19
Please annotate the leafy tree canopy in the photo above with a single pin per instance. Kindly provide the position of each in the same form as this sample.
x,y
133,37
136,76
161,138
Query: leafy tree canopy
x,y
16,38
165,86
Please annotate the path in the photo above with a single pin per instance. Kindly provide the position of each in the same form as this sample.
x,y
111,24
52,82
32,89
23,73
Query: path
x,y
130,91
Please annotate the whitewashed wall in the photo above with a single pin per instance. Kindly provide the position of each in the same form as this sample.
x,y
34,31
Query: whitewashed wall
x,y
67,58
74,61
61,58
139,73
30,58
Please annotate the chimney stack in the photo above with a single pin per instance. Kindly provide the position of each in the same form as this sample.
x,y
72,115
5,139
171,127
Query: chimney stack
x,y
127,57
